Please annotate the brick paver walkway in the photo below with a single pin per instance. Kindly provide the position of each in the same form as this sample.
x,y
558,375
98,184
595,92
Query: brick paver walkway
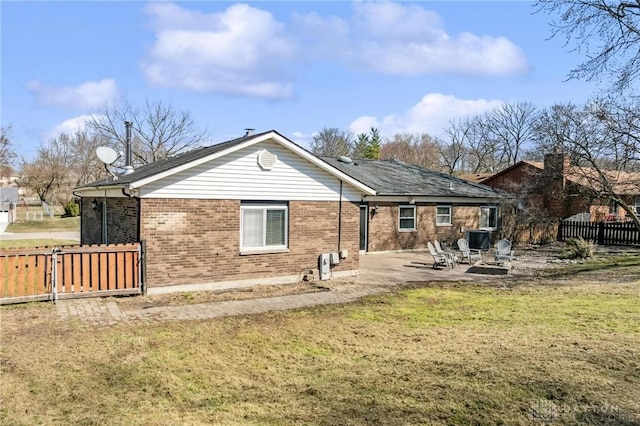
x,y
98,311
379,274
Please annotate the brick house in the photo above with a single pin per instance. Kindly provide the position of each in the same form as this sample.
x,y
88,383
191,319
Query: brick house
x,y
558,190
257,209
413,205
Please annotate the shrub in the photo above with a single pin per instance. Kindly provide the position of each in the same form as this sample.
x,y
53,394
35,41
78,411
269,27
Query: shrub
x,y
577,248
72,209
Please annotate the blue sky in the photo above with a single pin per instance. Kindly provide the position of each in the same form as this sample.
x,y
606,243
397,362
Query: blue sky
x,y
291,66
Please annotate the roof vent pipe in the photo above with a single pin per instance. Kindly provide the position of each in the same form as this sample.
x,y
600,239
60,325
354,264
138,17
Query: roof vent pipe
x,y
128,168
248,132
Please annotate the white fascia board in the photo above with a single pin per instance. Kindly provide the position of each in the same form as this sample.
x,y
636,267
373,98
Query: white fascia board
x,y
102,191
267,136
426,199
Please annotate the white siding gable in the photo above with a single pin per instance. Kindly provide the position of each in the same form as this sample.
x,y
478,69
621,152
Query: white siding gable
x,y
238,175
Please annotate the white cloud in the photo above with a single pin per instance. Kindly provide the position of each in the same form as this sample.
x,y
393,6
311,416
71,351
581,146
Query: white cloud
x,y
236,52
394,38
430,115
69,126
246,51
88,95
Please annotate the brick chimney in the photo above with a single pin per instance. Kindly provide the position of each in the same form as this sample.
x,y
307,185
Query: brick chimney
x,y
556,168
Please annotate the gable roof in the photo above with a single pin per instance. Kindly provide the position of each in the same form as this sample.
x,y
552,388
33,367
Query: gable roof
x,y
524,163
395,177
624,183
171,165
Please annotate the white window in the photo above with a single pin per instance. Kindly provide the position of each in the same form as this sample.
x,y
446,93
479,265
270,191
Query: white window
x,y
488,217
263,226
443,215
407,218
637,205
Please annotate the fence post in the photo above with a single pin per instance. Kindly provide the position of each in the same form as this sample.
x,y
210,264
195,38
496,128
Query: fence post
x,y
601,233
560,231
142,270
54,274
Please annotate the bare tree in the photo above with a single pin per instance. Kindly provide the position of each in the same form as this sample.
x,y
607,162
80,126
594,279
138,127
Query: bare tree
x,y
511,127
160,131
608,32
7,153
414,148
332,142
63,163
454,155
602,140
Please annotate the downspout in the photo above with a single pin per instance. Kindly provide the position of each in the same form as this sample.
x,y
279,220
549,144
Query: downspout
x,y
340,219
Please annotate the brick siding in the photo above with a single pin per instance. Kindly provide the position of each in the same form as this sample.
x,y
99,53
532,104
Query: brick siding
x,y
385,235
122,220
198,241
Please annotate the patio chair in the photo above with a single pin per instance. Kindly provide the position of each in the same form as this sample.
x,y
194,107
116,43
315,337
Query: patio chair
x,y
503,251
468,253
439,259
449,253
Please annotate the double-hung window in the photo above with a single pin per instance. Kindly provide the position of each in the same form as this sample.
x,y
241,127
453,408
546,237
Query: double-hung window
x,y
263,226
488,217
443,215
407,218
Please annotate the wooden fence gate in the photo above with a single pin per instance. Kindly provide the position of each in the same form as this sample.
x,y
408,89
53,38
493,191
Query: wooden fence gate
x,y
70,272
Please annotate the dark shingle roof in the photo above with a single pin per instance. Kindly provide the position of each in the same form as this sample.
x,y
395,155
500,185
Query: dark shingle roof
x,y
394,177
161,166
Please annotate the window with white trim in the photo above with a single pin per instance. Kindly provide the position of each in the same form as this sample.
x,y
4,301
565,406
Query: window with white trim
x,y
263,226
407,218
443,215
488,217
637,205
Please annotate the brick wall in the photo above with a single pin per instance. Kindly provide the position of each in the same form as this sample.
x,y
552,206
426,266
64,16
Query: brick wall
x,y
385,235
198,241
122,220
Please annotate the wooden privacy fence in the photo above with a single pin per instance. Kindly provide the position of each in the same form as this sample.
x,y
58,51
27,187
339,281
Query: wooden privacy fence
x,y
70,271
605,233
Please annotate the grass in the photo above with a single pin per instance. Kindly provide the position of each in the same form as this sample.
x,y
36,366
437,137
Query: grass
x,y
8,244
440,353
57,224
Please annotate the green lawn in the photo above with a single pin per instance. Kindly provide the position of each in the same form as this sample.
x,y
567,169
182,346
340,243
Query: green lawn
x,y
8,244
540,352
46,225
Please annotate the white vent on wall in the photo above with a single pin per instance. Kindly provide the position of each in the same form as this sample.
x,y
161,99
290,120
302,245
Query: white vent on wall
x,y
266,160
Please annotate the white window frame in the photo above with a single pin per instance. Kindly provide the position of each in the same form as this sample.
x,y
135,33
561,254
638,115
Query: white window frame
x,y
487,209
638,205
264,207
413,217
449,215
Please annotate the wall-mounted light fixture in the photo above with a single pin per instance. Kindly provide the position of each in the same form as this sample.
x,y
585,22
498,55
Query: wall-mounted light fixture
x,y
374,210
94,204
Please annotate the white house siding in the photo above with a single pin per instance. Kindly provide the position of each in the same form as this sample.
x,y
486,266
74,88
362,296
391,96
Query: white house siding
x,y
238,176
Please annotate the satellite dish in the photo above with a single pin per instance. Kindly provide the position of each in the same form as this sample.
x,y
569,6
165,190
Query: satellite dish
x,y
107,155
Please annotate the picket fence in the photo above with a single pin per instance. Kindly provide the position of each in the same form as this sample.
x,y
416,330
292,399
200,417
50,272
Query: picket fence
x,y
603,233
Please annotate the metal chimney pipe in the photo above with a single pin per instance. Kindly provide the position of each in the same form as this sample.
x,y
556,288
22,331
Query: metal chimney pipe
x,y
248,131
128,168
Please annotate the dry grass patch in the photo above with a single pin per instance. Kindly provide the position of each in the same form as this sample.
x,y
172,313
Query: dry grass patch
x,y
435,354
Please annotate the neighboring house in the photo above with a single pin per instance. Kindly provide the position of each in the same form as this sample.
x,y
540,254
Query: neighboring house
x,y
256,209
558,190
413,205
8,202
